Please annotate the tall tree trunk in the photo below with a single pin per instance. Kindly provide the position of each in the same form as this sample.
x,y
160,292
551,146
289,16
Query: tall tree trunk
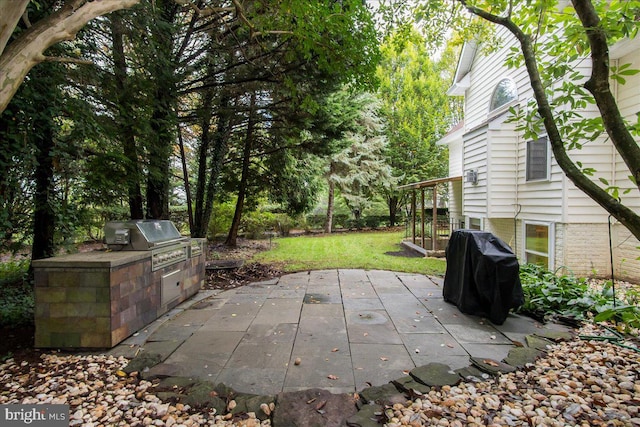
x,y
159,152
328,223
185,178
209,169
242,189
125,117
10,148
393,202
163,116
44,218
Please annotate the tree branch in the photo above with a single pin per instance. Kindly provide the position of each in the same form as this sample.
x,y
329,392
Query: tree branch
x,y
12,11
598,85
621,212
66,60
27,49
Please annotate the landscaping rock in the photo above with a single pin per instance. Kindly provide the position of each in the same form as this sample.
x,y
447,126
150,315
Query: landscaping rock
x,y
386,394
472,374
522,356
202,394
313,408
536,341
259,405
142,362
410,386
556,336
367,416
491,366
435,374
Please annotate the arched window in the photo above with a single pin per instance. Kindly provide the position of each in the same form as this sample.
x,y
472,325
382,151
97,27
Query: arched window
x,y
505,92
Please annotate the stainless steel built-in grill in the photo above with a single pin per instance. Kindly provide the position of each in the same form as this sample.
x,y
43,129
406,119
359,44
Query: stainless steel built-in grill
x,y
161,237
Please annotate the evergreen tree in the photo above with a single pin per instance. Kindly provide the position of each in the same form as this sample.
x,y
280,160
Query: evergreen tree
x,y
417,111
360,170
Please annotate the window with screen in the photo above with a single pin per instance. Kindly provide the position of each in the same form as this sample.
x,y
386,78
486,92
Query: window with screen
x,y
537,159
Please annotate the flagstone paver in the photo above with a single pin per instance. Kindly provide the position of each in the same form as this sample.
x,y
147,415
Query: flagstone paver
x,y
337,330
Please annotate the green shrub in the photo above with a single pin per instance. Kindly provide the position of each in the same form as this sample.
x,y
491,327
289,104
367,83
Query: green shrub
x,y
283,223
13,272
547,294
16,294
315,221
221,218
255,224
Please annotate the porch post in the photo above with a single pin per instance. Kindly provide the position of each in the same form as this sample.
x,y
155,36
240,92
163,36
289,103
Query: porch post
x,y
413,216
434,213
422,212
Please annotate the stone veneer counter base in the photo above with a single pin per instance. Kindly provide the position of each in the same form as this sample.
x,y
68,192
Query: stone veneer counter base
x,y
97,299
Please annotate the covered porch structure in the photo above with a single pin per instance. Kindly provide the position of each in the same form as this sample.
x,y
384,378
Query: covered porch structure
x,y
429,235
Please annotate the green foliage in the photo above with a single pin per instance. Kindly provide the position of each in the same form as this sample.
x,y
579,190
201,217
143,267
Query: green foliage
x,y
16,295
221,218
547,294
360,170
626,317
416,109
256,223
283,224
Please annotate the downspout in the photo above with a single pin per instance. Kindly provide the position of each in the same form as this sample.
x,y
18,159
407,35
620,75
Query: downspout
x,y
613,183
517,205
515,227
613,279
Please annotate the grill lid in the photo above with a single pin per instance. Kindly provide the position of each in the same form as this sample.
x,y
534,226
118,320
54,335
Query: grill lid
x,y
140,234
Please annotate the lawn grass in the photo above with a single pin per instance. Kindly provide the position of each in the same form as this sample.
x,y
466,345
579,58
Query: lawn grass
x,y
364,250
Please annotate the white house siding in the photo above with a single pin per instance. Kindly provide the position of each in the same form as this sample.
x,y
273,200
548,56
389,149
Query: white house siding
x,y
502,167
486,72
626,264
493,148
455,204
475,158
455,158
628,96
455,187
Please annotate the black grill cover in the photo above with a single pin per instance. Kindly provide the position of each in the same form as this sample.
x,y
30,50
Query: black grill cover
x,y
482,276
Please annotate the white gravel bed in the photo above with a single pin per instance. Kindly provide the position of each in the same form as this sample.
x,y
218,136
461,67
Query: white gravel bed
x,y
99,393
579,383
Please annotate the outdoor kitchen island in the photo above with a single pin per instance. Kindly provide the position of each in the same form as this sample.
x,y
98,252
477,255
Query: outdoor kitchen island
x,y
97,299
